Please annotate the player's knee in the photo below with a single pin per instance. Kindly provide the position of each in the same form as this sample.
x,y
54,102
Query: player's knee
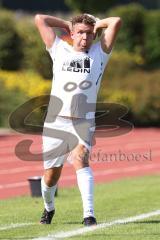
x,y
51,177
48,181
80,156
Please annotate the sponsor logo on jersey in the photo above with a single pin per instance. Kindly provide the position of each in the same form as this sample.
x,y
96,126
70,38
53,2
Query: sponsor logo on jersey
x,y
77,65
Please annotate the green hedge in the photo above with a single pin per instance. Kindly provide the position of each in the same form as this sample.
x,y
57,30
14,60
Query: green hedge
x,y
131,35
35,55
9,101
152,37
11,51
140,32
17,87
137,89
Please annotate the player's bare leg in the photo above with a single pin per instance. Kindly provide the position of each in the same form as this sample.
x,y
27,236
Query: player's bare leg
x,y
52,175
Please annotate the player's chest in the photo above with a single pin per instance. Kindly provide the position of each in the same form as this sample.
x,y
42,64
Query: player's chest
x,y
77,63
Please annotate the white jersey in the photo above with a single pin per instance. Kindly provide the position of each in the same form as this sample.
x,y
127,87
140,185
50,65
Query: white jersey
x,y
77,77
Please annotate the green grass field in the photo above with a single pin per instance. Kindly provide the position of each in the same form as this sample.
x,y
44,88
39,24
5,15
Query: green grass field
x,y
116,200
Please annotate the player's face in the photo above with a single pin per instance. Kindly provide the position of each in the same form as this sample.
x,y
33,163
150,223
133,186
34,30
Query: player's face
x,y
83,36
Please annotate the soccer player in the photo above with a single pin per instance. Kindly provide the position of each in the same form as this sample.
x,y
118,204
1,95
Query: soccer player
x,y
77,73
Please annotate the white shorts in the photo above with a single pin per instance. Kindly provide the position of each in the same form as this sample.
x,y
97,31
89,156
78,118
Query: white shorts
x,y
62,136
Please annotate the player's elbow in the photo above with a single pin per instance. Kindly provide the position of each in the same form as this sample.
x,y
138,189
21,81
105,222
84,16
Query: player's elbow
x,y
38,18
118,23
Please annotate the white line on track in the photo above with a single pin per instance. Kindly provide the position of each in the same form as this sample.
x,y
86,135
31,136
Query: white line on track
x,y
107,172
79,231
20,169
14,185
127,169
15,225
119,170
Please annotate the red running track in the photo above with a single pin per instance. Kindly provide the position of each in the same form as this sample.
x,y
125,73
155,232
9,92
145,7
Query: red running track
x,y
134,154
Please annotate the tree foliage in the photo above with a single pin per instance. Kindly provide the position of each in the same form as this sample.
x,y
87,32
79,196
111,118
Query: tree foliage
x,y
35,55
10,42
152,37
90,6
131,35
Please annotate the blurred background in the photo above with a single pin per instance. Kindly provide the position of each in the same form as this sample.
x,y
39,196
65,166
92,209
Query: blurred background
x,y
132,77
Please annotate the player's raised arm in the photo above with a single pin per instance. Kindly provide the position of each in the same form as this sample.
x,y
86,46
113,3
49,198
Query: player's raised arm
x,y
111,27
46,24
